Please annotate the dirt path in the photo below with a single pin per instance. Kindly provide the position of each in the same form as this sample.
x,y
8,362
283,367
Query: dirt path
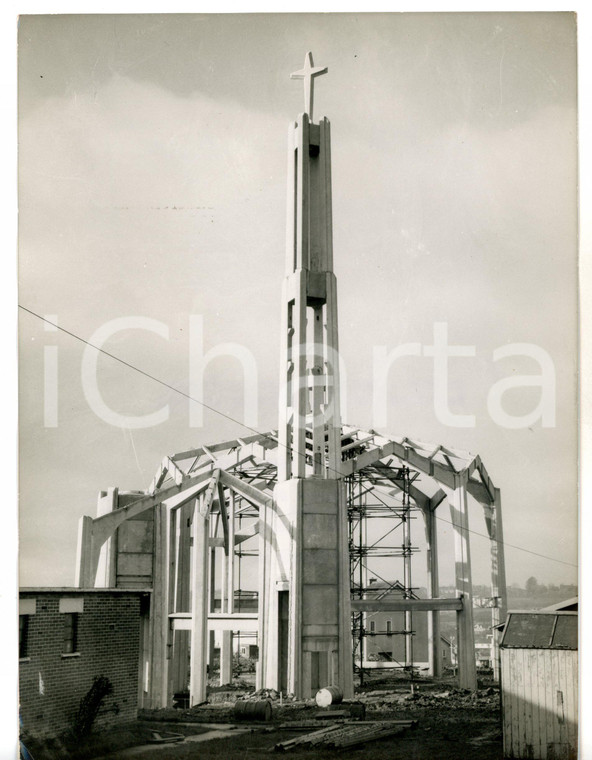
x,y
444,734
160,751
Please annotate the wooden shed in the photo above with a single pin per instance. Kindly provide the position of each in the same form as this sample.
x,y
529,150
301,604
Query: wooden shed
x,y
539,685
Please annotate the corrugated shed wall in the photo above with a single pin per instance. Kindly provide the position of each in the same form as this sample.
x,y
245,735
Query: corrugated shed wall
x,y
540,703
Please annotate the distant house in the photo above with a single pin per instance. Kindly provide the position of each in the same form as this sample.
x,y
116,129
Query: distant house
x,y
248,649
539,683
68,637
385,638
244,601
483,655
245,643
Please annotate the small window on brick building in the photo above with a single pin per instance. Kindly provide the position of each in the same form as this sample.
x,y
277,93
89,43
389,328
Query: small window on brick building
x,y
389,627
443,654
23,636
372,626
70,645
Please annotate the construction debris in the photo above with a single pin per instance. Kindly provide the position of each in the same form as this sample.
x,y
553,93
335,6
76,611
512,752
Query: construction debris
x,y
455,699
306,725
357,710
347,735
332,714
314,739
272,694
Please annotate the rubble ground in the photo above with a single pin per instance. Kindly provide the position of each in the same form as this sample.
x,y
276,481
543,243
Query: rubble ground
x,y
452,723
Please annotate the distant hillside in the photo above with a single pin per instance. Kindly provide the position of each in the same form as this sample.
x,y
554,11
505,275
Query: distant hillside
x,y
533,597
539,596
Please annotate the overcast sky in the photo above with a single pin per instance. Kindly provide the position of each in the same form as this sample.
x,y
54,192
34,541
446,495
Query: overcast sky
x,y
153,183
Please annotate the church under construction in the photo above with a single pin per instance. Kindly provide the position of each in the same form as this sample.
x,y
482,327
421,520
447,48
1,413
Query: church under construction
x,y
310,509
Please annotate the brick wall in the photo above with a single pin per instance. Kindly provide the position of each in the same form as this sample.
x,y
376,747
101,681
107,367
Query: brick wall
x,y
108,641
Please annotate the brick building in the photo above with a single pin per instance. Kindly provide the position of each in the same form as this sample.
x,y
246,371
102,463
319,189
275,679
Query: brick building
x,y
69,636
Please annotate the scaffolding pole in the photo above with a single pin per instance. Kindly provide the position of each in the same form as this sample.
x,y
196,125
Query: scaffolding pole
x,y
376,499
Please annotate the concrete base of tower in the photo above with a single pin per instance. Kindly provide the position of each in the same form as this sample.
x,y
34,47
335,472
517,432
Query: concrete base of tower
x,y
306,616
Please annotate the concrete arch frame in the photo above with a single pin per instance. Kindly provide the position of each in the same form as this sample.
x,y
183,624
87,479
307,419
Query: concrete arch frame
x,y
204,503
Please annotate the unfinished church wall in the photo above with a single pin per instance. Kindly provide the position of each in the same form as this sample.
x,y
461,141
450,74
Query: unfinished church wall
x,y
127,558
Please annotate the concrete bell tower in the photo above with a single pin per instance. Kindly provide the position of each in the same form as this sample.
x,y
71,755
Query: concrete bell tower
x,y
305,619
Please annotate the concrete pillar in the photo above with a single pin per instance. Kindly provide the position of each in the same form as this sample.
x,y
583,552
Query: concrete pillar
x,y
230,553
106,570
83,578
298,381
284,452
317,379
433,583
467,672
227,646
333,376
181,602
493,520
211,605
161,635
226,658
309,562
267,610
199,608
224,581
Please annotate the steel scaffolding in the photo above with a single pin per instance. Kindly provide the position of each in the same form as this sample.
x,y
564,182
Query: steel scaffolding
x,y
380,510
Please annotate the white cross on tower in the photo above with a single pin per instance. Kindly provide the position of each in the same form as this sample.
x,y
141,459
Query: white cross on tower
x,y
308,73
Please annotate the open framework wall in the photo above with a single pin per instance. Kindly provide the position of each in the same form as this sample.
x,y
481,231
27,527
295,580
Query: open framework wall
x,y
195,533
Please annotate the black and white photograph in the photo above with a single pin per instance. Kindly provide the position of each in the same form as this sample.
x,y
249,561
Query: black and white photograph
x,y
298,365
